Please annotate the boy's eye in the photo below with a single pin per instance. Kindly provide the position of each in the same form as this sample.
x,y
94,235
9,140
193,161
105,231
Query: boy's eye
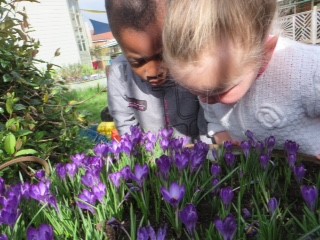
x,y
137,63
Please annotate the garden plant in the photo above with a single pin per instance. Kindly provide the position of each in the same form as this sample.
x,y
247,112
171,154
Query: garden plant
x,y
149,186
36,118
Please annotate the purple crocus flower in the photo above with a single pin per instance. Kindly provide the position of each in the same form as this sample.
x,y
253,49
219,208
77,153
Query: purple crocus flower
x,y
165,143
79,159
216,170
101,150
3,237
189,218
2,186
164,165
182,159
150,141
226,195
197,160
177,144
71,169
25,190
227,227
245,146
99,191
166,133
126,173
251,137
88,199
198,155
215,183
95,164
90,179
264,161
45,232
41,175
143,233
9,216
228,146
246,214
299,173
127,146
140,173
310,196
61,171
41,192
273,204
116,178
270,143
162,233
292,159
146,233
136,134
291,147
230,159
174,194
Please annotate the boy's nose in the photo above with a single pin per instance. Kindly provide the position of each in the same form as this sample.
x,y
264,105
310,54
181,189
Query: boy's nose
x,y
153,69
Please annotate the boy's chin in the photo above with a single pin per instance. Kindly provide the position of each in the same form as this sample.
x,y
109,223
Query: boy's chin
x,y
157,82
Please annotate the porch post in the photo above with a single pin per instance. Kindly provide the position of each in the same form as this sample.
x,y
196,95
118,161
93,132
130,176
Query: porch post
x,y
314,25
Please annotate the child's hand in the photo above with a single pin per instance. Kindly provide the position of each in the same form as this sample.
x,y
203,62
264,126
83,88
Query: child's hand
x,y
221,137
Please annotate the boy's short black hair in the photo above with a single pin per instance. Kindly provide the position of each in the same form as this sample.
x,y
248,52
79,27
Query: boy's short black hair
x,y
136,14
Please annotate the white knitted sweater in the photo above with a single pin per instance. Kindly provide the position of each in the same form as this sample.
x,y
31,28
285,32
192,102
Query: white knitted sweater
x,y
283,102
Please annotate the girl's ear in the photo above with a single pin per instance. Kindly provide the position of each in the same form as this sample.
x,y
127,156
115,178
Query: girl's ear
x,y
270,45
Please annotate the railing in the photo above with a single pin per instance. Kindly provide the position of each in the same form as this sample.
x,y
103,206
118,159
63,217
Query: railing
x,y
304,27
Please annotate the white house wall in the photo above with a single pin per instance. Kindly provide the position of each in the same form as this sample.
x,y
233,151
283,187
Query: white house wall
x,y
53,28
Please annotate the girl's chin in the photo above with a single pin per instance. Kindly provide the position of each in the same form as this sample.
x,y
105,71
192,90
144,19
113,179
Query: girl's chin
x,y
222,98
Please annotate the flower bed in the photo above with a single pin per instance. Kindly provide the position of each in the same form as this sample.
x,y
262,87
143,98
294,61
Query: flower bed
x,y
153,187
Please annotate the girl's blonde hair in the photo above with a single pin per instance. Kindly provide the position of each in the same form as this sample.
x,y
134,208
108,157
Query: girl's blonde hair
x,y
194,26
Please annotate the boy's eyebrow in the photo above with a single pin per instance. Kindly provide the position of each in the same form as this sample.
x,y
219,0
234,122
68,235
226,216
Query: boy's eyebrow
x,y
146,59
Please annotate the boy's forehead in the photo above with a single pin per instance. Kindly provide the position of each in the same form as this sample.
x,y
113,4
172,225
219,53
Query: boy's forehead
x,y
141,43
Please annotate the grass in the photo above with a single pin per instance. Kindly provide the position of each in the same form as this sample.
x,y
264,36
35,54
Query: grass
x,y
93,101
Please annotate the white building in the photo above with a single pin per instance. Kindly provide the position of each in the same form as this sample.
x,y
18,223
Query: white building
x,y
57,24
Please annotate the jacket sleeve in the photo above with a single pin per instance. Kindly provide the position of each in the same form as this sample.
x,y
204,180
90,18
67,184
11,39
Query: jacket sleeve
x,y
213,124
123,116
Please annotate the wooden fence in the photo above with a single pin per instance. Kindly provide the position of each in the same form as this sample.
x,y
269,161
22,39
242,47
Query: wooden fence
x,y
304,26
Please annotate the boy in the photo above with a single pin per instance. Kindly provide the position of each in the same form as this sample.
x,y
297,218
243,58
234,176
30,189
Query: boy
x,y
139,90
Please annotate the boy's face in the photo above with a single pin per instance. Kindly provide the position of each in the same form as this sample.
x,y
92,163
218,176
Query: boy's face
x,y
143,50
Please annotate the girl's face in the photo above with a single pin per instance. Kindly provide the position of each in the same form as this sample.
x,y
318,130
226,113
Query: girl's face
x,y
226,74
218,78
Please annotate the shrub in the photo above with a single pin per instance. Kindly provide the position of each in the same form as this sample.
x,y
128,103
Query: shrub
x,y
35,118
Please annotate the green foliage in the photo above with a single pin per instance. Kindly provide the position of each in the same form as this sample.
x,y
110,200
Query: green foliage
x,y
76,72
93,101
35,116
71,73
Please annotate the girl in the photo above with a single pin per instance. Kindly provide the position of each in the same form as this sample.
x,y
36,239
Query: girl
x,y
245,78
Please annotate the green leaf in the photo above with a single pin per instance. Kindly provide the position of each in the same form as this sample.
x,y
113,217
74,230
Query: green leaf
x,y
10,143
1,110
25,152
19,107
7,78
23,133
9,105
